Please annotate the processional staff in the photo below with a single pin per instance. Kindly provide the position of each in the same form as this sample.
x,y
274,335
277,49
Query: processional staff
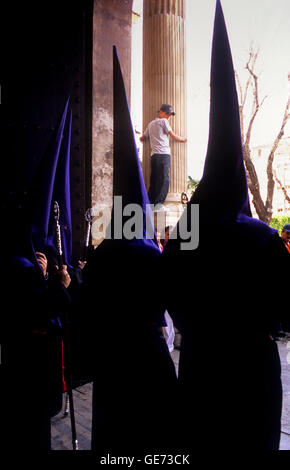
x,y
89,219
66,338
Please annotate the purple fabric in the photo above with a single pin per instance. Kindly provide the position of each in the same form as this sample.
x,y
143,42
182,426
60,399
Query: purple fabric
x,y
128,179
61,194
52,183
223,187
42,189
222,194
21,262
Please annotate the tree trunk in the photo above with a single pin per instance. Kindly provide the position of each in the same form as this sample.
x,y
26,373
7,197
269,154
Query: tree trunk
x,y
254,185
264,210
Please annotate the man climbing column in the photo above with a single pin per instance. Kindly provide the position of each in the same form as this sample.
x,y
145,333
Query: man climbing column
x,y
159,131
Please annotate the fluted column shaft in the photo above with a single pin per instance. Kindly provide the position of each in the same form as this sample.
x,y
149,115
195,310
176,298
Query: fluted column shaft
x,y
164,81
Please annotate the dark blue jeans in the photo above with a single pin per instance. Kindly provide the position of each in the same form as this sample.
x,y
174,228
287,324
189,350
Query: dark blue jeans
x,y
159,179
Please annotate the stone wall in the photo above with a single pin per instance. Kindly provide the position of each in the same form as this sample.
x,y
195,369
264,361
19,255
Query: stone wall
x,y
112,21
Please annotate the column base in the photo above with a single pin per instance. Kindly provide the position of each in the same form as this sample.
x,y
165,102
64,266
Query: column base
x,y
169,215
173,197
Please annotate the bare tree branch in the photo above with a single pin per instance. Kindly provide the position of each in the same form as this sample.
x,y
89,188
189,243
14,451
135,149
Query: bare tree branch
x,y
284,190
253,182
254,83
239,87
271,182
243,94
264,210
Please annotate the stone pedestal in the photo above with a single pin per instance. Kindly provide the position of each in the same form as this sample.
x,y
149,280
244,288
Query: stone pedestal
x,y
169,216
164,82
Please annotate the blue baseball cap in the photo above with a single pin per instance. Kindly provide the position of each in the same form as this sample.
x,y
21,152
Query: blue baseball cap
x,y
286,228
168,109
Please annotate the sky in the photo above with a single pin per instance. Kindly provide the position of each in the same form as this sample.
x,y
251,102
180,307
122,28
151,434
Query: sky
x,y
263,23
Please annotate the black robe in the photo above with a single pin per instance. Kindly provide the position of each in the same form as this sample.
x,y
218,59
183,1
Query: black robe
x,y
134,375
31,357
230,393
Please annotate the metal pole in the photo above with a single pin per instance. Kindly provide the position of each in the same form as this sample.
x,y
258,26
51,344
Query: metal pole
x,y
66,339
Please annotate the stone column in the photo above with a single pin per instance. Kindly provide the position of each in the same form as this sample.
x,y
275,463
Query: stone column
x,y
164,82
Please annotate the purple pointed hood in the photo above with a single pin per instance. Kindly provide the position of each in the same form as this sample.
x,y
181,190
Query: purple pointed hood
x,y
42,187
222,194
223,187
61,194
128,179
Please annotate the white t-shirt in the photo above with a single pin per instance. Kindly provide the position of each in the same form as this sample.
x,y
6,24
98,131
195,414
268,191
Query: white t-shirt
x,y
158,133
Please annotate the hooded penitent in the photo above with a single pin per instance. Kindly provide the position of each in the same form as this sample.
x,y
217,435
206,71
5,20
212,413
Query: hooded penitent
x,y
222,194
32,328
229,366
128,179
51,182
136,362
32,227
223,186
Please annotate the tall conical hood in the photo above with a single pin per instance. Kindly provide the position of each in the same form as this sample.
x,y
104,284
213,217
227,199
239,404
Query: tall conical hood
x,y
41,190
223,186
128,179
222,194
